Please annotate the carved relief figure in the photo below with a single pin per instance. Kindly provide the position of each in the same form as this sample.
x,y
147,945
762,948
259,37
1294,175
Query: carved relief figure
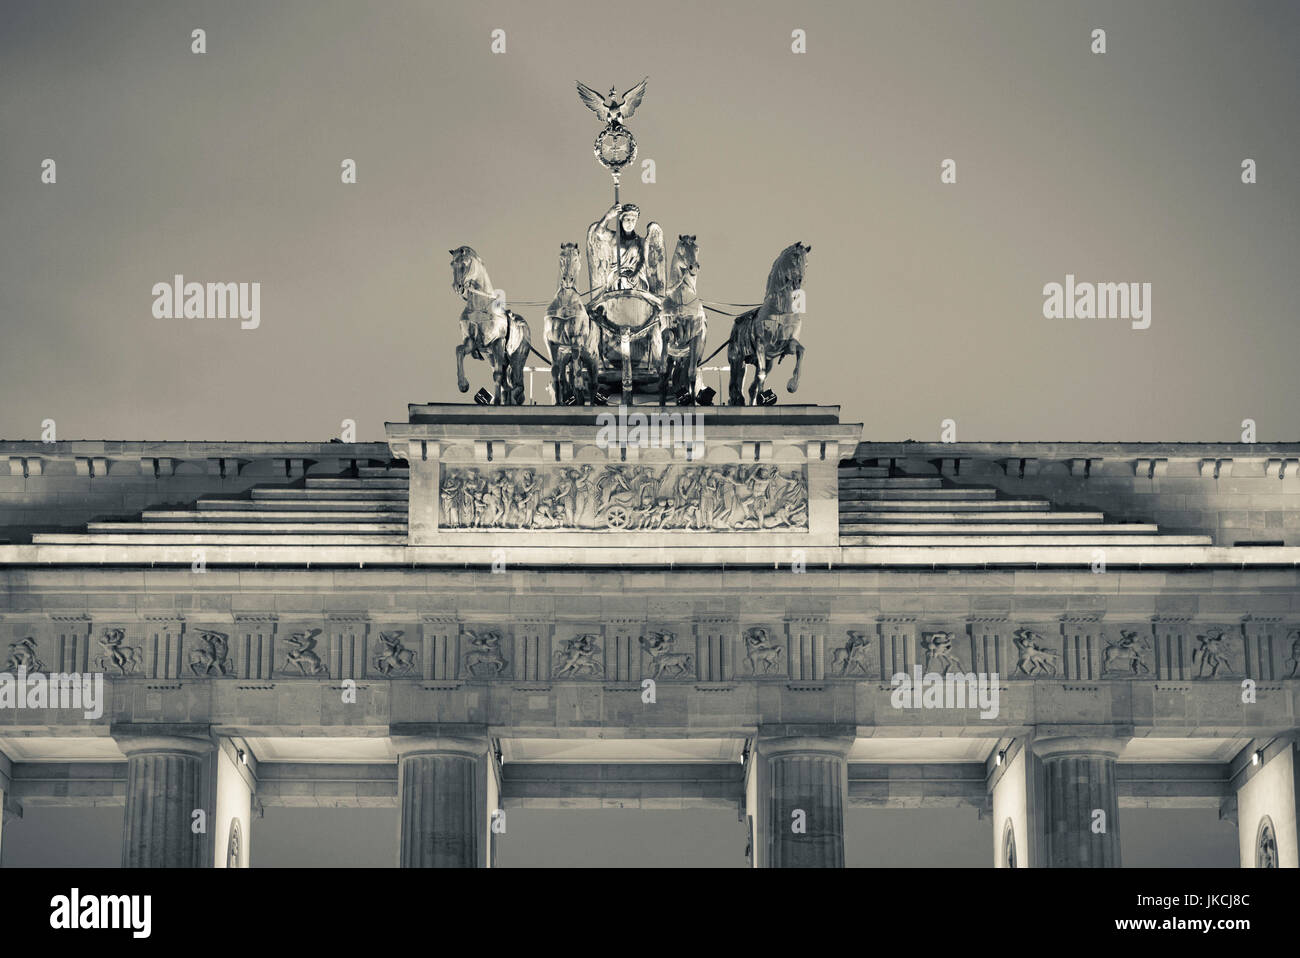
x,y
853,656
394,658
1210,654
1294,661
1125,654
302,654
580,655
1035,657
761,650
22,655
1266,855
484,654
939,656
663,660
679,496
211,654
124,658
233,845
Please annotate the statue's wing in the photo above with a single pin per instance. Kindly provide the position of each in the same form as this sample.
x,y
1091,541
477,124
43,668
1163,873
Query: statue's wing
x,y
656,263
594,101
601,256
632,99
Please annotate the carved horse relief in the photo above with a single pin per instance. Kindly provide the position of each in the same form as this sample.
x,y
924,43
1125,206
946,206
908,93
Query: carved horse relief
x,y
489,329
663,660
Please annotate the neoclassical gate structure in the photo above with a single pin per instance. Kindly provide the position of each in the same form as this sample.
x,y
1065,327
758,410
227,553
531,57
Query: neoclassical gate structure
x,y
511,606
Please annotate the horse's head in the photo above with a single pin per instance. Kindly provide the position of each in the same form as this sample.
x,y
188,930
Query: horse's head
x,y
464,262
570,261
686,257
788,270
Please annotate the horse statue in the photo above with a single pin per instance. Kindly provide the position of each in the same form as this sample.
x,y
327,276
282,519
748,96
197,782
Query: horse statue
x,y
488,327
571,336
762,337
684,323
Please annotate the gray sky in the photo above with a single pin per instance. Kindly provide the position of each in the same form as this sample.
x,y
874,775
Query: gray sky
x,y
924,300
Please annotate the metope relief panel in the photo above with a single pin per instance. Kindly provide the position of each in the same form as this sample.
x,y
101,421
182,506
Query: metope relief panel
x,y
209,653
578,654
669,655
764,652
485,652
1218,651
680,497
118,650
301,651
1128,651
395,652
854,653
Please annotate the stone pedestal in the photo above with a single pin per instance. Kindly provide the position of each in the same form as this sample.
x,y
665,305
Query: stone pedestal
x,y
442,790
1079,801
799,795
168,779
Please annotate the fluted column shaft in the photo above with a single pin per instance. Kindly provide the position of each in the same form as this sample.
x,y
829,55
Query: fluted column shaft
x,y
442,790
1080,802
167,779
803,782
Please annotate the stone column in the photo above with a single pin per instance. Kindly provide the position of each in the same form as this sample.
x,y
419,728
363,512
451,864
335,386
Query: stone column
x,y
1079,802
168,779
802,783
443,792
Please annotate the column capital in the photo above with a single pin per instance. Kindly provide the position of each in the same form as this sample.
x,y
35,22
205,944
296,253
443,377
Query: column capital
x,y
413,738
830,740
1101,741
146,737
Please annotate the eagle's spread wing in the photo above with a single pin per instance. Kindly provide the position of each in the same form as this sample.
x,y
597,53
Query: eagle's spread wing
x,y
594,101
632,99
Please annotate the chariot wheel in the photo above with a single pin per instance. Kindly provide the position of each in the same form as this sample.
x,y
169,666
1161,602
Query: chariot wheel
x,y
617,517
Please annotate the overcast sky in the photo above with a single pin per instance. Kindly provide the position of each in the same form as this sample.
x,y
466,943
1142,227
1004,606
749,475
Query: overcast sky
x,y
925,300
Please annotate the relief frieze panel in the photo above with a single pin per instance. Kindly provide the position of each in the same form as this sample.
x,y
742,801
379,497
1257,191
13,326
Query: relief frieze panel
x,y
690,497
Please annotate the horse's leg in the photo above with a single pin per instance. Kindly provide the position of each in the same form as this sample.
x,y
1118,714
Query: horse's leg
x,y
736,380
761,367
557,374
498,358
589,393
517,374
793,384
461,382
